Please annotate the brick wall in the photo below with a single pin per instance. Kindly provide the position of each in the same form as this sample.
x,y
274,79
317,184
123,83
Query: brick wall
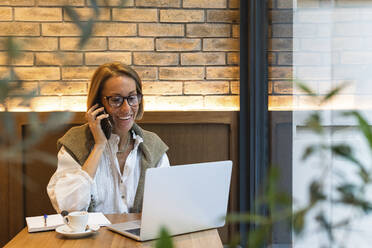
x,y
186,51
280,48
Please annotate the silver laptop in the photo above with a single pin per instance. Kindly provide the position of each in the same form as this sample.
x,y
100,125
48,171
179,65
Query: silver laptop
x,y
183,199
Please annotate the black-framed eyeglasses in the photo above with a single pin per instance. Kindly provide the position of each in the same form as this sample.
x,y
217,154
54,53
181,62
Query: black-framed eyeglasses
x,y
117,101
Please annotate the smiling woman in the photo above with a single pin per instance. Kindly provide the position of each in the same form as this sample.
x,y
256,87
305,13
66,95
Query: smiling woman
x,y
103,171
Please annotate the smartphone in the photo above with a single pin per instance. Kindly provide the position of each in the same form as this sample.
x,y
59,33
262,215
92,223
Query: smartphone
x,y
106,125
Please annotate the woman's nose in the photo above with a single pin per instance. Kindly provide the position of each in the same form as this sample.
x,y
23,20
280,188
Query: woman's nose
x,y
125,106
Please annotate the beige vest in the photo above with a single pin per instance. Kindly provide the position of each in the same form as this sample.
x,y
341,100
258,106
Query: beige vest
x,y
78,142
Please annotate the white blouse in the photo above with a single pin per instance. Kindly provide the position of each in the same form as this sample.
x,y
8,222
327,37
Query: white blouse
x,y
71,188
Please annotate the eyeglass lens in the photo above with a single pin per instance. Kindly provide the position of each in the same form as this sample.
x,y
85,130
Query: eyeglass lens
x,y
117,101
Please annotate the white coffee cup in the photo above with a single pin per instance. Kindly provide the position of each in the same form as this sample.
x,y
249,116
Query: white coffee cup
x,y
76,221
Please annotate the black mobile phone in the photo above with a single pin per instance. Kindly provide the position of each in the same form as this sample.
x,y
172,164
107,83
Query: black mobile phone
x,y
106,125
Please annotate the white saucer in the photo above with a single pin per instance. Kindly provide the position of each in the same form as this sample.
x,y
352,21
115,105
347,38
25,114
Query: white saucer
x,y
66,231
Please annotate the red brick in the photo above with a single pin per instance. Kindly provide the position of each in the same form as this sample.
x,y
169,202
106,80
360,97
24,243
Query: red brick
x,y
206,87
135,15
155,58
234,4
37,73
158,3
93,44
162,87
271,58
115,29
60,3
77,73
63,88
161,29
208,30
181,15
203,59
19,29
280,72
24,58
221,44
131,44
6,14
233,58
26,88
236,31
204,4
227,72
146,73
60,29
38,43
235,87
65,58
223,16
114,3
181,73
98,58
18,2
38,14
178,44
88,13
283,87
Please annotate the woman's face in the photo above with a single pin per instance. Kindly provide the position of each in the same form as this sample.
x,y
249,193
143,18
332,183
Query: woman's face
x,y
124,115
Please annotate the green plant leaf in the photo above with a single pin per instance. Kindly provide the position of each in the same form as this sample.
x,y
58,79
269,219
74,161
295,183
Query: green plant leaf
x,y
73,16
363,126
333,92
95,7
349,196
305,88
346,152
314,123
316,192
86,32
122,3
308,152
299,221
13,49
247,217
165,240
257,237
327,226
86,28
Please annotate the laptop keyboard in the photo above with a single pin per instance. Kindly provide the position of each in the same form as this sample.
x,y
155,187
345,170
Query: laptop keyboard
x,y
135,231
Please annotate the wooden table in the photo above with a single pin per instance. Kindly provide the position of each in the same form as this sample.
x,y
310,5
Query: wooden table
x,y
107,238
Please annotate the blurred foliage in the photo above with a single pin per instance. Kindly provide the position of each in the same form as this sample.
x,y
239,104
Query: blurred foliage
x,y
348,193
165,240
279,206
12,90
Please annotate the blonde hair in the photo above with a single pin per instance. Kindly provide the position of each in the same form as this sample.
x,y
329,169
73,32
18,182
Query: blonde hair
x,y
107,71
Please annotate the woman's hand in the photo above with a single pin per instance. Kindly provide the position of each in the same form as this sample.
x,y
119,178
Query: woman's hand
x,y
94,115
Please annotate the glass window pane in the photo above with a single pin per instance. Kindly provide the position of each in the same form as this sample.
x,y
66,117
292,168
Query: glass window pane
x,y
323,45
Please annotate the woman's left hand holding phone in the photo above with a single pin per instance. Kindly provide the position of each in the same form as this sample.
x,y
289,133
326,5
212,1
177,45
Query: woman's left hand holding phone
x,y
94,115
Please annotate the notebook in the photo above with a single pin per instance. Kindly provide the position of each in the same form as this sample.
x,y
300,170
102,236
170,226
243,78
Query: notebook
x,y
37,224
183,199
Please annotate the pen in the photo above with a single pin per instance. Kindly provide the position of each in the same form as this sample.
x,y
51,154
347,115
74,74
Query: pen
x,y
45,219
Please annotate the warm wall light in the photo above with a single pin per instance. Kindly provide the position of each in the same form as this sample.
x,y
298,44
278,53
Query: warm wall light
x,y
152,103
340,102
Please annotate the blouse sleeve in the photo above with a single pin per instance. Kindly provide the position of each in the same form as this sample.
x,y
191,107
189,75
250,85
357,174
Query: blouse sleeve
x,y
70,186
163,162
